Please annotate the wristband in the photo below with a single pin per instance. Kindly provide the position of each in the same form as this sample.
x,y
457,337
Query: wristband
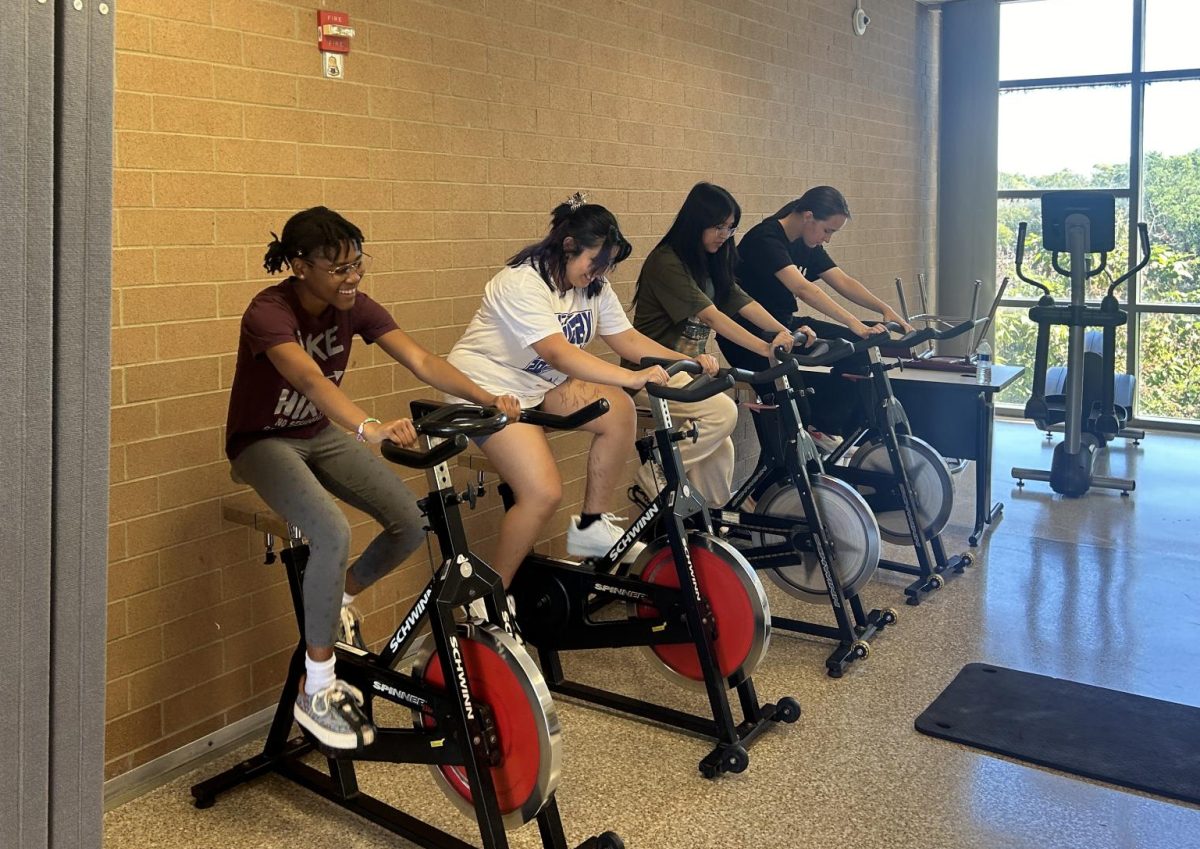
x,y
359,432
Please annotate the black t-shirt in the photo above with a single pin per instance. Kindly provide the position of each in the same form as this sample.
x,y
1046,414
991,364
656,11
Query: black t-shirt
x,y
764,251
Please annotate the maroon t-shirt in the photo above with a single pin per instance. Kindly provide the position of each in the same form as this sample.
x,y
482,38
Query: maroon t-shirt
x,y
262,403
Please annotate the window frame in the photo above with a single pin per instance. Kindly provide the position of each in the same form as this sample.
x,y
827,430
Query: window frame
x,y
1137,79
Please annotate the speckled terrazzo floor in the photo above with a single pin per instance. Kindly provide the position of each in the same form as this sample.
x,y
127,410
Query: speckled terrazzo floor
x,y
1104,590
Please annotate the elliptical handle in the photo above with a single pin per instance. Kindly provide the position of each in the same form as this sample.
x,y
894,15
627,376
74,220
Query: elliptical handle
x,y
1022,232
1144,238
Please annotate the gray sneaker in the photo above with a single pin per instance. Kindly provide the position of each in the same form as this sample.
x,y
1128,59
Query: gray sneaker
x,y
350,627
334,716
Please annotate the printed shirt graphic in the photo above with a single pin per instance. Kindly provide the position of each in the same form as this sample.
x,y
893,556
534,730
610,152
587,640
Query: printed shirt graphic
x,y
518,310
262,403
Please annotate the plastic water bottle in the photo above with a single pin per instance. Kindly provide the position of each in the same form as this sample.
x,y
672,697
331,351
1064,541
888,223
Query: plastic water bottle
x,y
983,363
694,339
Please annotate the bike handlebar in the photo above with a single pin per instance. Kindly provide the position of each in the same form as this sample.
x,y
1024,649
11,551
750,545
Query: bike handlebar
x,y
915,338
768,375
571,421
673,367
694,391
417,459
453,423
823,352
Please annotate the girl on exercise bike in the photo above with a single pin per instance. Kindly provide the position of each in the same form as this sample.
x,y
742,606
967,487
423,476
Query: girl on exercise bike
x,y
528,337
687,288
780,258
292,353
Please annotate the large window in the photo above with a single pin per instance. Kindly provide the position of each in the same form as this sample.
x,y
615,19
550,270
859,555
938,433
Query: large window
x,y
1103,94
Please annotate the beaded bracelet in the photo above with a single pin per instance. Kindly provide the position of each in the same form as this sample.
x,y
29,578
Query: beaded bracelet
x,y
359,431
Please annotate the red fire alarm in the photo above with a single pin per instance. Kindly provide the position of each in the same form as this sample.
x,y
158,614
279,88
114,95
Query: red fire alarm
x,y
333,40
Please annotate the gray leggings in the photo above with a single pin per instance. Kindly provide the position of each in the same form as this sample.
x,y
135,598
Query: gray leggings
x,y
295,477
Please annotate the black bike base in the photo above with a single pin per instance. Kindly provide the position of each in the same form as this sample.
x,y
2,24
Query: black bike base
x,y
725,756
1107,735
927,583
287,763
846,652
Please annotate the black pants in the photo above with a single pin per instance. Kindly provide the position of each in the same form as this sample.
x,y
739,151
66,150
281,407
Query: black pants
x,y
832,412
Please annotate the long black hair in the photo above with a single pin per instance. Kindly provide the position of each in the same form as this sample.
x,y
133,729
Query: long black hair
x,y
707,205
589,225
318,231
822,201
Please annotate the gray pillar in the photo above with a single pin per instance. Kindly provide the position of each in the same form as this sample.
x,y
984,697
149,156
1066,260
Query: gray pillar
x,y
55,225
82,365
968,110
26,332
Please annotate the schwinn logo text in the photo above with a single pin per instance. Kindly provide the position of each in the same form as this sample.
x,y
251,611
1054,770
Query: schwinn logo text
x,y
410,621
460,675
687,558
634,531
389,690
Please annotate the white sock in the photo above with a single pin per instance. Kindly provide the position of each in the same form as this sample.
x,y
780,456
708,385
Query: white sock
x,y
318,673
347,599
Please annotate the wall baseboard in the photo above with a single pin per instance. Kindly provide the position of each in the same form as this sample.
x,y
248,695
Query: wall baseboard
x,y
141,780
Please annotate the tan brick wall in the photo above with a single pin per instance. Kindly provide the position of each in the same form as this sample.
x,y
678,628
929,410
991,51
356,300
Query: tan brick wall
x,y
457,128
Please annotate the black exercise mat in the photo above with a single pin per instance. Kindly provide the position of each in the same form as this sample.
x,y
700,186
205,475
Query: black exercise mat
x,y
1133,741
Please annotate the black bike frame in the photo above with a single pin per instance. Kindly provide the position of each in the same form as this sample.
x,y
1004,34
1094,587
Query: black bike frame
x,y
459,717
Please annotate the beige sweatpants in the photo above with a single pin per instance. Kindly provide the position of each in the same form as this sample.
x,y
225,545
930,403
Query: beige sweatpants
x,y
709,460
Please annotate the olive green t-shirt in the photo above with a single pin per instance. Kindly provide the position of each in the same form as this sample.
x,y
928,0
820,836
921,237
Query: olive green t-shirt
x,y
667,296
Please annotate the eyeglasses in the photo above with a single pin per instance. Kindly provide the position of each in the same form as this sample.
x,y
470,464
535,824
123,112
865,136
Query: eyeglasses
x,y
725,232
340,272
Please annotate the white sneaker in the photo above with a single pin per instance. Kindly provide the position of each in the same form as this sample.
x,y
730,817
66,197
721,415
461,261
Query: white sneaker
x,y
596,539
334,716
827,443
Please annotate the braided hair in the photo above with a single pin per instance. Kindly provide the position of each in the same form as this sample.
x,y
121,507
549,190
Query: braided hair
x,y
318,231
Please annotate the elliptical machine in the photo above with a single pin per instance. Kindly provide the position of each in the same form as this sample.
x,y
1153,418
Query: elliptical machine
x,y
1078,223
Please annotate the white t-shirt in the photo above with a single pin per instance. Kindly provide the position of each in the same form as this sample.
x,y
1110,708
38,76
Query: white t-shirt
x,y
518,310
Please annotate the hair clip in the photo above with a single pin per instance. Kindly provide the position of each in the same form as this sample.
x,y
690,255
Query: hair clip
x,y
577,200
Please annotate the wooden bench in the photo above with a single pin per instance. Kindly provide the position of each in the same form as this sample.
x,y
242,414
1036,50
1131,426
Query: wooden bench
x,y
476,462
248,509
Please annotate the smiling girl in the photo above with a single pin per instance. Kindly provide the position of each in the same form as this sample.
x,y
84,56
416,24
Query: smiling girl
x,y
293,350
527,339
